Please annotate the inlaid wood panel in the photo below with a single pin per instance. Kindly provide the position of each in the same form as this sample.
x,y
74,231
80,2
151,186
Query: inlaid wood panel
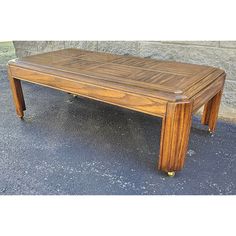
x,y
160,76
21,72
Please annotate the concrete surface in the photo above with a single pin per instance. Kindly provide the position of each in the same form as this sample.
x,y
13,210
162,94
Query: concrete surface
x,y
7,52
220,54
70,145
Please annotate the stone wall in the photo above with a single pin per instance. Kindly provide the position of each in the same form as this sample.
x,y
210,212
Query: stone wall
x,y
7,52
221,54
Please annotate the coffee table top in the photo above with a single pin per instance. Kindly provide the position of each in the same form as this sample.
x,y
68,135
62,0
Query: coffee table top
x,y
171,81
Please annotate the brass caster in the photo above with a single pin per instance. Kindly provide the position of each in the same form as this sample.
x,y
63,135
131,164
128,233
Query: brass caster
x,y
75,96
211,132
171,173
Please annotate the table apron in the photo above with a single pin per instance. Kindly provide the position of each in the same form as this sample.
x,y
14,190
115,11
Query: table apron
x,y
207,93
137,102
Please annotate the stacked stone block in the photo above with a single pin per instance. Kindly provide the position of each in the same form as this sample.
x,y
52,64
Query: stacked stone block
x,y
221,54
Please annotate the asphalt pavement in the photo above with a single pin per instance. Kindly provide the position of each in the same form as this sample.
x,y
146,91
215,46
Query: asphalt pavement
x,y
68,145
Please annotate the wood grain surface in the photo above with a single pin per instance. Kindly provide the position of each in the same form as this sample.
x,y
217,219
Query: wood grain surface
x,y
175,135
171,90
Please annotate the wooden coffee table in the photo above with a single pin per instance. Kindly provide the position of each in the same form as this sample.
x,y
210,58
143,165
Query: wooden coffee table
x,y
170,90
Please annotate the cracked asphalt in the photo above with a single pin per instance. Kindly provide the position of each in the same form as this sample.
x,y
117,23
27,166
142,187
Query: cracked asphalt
x,y
68,145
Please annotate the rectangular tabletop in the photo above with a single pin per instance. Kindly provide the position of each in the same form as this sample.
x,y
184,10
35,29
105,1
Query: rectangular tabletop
x,y
160,81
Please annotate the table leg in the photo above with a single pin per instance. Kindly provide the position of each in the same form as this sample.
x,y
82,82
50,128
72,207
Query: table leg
x,y
175,132
18,96
211,110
